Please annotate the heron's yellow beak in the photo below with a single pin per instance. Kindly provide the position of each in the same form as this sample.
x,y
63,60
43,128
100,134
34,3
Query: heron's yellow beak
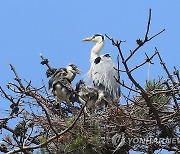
x,y
87,39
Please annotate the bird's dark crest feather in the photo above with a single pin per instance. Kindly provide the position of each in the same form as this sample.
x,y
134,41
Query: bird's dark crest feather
x,y
99,35
107,55
73,66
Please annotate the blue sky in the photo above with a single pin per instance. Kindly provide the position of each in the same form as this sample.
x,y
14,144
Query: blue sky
x,y
55,28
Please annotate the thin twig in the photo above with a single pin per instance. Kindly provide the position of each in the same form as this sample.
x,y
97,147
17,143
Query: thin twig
x,y
124,85
170,77
45,61
146,61
16,76
148,25
146,39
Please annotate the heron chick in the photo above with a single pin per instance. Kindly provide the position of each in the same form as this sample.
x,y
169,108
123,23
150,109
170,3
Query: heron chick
x,y
60,83
95,98
72,71
102,70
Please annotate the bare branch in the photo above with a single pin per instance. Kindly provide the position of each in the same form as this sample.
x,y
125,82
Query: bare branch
x,y
45,62
148,25
52,138
146,39
16,76
146,61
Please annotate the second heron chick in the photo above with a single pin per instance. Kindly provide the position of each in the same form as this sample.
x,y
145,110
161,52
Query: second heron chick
x,y
95,98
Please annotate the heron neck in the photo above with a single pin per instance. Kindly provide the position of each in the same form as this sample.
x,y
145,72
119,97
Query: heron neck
x,y
96,50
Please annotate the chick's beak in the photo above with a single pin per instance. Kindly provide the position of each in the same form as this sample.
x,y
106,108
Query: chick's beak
x,y
87,39
78,72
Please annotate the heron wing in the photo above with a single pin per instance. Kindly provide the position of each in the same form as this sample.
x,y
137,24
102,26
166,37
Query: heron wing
x,y
104,74
59,73
64,83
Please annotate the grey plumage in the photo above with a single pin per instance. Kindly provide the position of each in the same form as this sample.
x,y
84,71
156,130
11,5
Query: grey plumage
x,y
60,83
104,74
72,71
59,73
86,93
95,98
62,90
102,71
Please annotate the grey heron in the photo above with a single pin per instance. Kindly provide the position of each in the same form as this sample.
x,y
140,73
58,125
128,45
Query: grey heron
x,y
95,98
102,70
86,93
60,83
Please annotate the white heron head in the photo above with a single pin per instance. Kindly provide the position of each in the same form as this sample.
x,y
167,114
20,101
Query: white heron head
x,y
98,38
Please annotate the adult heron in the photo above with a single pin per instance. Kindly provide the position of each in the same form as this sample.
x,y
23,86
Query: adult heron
x,y
102,70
